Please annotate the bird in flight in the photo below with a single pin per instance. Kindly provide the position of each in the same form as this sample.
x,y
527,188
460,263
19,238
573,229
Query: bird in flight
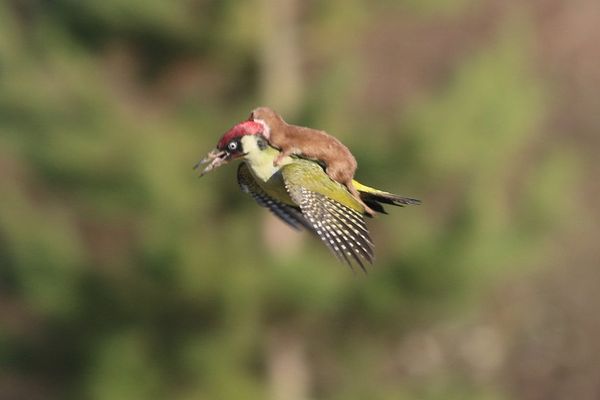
x,y
300,192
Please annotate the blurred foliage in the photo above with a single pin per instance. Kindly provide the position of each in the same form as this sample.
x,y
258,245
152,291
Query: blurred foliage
x,y
122,276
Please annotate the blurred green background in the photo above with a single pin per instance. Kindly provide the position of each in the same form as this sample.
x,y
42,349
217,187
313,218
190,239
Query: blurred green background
x,y
124,276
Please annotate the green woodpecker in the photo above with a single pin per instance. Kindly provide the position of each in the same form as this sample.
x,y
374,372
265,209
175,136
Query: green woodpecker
x,y
300,192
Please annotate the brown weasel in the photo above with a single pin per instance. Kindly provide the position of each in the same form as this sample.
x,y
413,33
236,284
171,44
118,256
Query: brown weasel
x,y
310,143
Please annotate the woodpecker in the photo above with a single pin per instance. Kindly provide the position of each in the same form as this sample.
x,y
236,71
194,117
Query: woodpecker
x,y
300,192
310,143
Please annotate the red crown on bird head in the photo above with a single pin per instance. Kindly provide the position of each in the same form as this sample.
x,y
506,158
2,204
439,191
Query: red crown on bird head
x,y
241,129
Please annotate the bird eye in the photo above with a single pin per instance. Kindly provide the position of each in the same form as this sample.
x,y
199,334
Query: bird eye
x,y
232,146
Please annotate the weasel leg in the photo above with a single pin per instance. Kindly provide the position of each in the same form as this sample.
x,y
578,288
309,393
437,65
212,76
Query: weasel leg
x,y
356,195
283,154
343,173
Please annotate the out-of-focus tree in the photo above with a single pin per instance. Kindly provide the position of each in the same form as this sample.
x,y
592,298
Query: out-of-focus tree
x,y
122,276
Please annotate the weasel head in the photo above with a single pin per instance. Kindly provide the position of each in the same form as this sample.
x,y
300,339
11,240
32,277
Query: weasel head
x,y
267,117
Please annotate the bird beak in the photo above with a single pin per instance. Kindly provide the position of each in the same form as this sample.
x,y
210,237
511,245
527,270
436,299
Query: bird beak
x,y
215,158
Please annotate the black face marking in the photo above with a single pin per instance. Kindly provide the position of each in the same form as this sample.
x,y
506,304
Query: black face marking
x,y
233,148
261,143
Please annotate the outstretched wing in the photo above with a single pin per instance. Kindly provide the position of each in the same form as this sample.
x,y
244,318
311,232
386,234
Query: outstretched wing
x,y
341,228
290,215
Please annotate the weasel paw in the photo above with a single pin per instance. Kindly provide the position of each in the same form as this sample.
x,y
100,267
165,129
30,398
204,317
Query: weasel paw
x,y
277,161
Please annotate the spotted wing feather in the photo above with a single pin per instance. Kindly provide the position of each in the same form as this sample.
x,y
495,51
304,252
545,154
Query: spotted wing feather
x,y
342,229
288,214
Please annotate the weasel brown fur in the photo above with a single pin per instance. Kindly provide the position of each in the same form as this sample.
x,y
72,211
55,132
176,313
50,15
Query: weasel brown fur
x,y
310,143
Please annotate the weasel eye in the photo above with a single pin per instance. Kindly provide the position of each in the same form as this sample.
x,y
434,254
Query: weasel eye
x,y
232,146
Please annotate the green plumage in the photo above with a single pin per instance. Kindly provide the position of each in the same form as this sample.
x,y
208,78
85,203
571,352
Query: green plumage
x,y
311,176
300,193
341,228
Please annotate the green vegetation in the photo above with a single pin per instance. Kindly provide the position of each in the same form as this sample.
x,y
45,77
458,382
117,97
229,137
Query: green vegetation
x,y
123,276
